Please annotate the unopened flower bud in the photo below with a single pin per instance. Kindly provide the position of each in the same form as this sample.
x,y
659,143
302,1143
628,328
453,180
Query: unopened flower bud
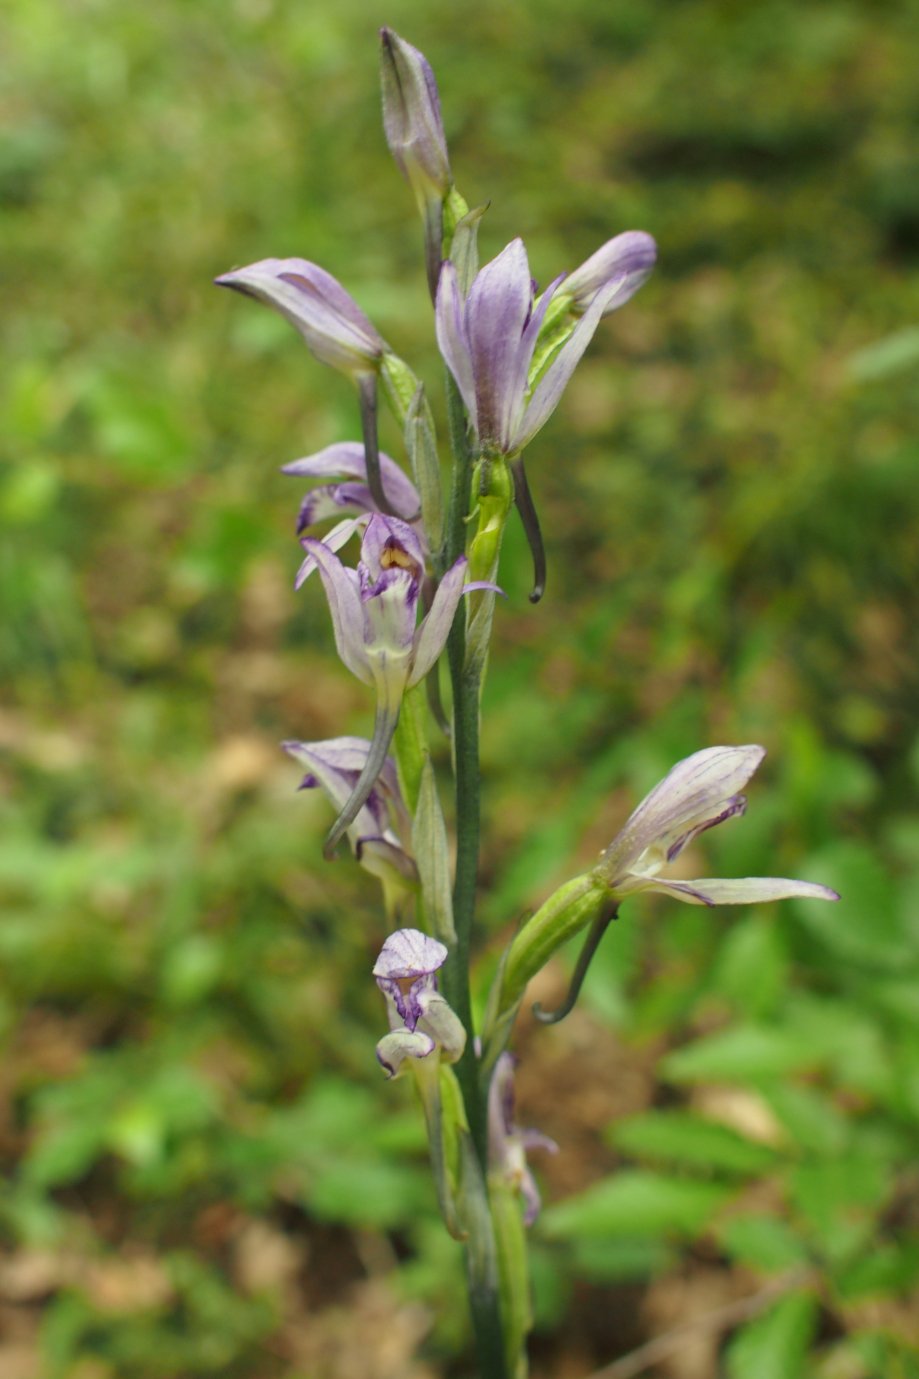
x,y
411,119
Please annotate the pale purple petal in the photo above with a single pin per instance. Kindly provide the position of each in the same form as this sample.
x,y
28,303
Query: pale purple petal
x,y
549,389
409,953
452,339
348,461
341,589
432,635
755,890
497,311
695,792
626,260
333,541
331,322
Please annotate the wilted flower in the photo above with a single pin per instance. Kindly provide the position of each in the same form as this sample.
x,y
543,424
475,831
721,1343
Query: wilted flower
x,y
488,342
626,261
330,321
420,1020
508,1144
382,826
698,793
347,461
373,612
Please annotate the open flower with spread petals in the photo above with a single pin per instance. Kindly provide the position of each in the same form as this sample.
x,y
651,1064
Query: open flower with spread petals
x,y
374,611
420,1020
488,341
700,792
381,828
508,1145
349,499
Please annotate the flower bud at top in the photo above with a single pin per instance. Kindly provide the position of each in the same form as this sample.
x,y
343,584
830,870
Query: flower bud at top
x,y
411,119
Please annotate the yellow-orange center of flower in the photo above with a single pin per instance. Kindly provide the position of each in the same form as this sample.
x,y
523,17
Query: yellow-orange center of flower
x,y
396,556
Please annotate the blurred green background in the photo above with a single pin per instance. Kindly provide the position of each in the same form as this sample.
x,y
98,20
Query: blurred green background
x,y
204,1174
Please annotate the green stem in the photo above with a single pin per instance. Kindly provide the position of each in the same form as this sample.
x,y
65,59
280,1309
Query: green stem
x,y
466,766
481,1250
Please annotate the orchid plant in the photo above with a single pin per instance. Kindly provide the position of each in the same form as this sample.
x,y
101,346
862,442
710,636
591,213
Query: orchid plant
x,y
422,592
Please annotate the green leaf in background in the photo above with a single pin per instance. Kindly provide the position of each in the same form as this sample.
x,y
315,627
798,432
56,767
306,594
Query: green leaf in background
x,y
838,1199
620,1259
742,1053
635,1203
680,1138
890,355
775,1346
866,925
887,1268
762,1242
814,1123
751,969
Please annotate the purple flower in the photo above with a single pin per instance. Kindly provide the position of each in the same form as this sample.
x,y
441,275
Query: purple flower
x,y
420,1020
508,1144
330,321
700,792
347,461
382,825
411,118
374,612
488,342
625,261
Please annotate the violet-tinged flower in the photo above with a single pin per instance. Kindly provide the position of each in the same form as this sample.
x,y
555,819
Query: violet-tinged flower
x,y
488,341
373,612
350,500
382,826
412,120
330,321
333,326
420,1020
626,261
508,1144
698,793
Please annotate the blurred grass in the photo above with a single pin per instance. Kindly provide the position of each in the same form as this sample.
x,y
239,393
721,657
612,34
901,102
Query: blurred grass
x,y
731,507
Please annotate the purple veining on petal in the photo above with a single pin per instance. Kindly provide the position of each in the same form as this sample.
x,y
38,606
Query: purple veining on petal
x,y
694,791
406,968
734,807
